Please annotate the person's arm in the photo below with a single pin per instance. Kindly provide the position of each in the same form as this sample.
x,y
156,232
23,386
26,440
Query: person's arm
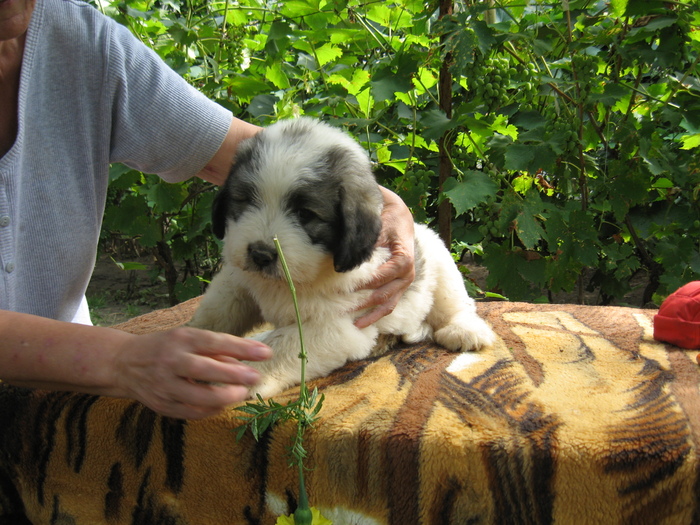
x,y
397,274
217,169
162,370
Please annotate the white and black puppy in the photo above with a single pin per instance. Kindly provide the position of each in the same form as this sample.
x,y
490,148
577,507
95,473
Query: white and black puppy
x,y
311,186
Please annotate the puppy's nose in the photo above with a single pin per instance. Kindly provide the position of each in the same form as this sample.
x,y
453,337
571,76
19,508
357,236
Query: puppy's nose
x,y
262,254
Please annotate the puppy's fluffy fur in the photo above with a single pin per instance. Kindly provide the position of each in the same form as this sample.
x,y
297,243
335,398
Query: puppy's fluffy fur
x,y
311,186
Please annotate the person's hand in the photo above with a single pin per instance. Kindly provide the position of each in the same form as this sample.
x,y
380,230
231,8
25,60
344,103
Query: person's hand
x,y
188,373
397,274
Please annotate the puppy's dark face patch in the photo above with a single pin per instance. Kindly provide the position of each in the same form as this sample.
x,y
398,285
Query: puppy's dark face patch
x,y
314,205
238,193
241,195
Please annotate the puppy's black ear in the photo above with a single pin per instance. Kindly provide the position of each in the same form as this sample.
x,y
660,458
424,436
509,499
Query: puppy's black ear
x,y
219,213
360,207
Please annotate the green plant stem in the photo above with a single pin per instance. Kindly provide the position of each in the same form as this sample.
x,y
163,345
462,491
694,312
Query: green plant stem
x,y
302,514
304,393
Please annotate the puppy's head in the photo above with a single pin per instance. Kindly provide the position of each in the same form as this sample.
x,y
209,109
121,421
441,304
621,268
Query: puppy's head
x,y
307,183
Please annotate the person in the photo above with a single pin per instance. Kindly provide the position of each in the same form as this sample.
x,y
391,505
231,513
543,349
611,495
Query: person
x,y
78,92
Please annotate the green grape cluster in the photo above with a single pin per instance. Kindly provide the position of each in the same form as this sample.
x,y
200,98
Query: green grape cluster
x,y
419,180
492,171
528,87
414,187
489,223
564,131
473,68
462,160
489,228
586,69
491,80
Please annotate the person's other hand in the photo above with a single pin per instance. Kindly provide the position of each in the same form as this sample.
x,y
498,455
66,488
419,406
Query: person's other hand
x,y
396,274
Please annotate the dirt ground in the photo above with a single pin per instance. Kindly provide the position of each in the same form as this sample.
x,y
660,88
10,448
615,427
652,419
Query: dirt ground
x,y
116,295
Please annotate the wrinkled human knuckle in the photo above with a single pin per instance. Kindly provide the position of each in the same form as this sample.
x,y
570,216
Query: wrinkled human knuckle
x,y
388,300
406,264
197,370
379,299
166,360
181,334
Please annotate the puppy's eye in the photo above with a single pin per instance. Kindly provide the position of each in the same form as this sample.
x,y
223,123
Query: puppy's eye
x,y
241,202
305,215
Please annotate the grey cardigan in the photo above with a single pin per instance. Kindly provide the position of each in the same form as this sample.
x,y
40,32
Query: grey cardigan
x,y
90,94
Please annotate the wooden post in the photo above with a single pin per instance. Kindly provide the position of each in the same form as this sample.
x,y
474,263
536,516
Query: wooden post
x,y
444,160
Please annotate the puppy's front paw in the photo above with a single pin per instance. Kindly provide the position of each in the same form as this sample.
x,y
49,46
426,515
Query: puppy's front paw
x,y
473,335
266,388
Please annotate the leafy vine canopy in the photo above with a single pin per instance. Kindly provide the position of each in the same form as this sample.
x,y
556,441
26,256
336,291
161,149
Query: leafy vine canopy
x,y
556,142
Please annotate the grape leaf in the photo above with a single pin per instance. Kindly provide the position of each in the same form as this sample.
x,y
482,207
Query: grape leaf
x,y
476,187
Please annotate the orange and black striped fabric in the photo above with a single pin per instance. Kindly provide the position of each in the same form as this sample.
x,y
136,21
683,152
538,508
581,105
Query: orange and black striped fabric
x,y
575,416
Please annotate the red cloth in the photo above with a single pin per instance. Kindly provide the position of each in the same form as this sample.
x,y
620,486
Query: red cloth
x,y
678,320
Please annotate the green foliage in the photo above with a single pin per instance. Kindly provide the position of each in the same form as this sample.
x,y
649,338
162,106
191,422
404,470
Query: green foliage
x,y
263,414
570,140
172,222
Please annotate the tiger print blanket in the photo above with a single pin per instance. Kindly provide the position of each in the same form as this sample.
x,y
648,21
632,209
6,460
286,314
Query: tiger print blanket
x,y
576,416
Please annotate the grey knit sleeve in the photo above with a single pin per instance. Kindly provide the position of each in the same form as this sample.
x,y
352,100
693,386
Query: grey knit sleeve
x,y
160,124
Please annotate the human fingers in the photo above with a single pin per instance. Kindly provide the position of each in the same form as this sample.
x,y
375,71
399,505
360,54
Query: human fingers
x,y
208,396
206,342
399,267
397,222
195,400
397,234
381,302
182,396
390,282
215,369
210,357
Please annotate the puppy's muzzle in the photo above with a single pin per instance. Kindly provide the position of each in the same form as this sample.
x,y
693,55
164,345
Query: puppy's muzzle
x,y
262,256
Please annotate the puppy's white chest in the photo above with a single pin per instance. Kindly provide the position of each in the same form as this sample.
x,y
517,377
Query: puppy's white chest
x,y
278,308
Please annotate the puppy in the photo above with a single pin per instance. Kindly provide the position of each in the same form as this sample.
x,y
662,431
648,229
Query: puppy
x,y
311,186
